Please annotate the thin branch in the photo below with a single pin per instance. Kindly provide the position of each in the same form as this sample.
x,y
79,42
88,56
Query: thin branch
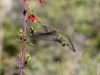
x,y
24,42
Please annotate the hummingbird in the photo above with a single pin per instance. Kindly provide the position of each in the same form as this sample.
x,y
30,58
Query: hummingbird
x,y
52,34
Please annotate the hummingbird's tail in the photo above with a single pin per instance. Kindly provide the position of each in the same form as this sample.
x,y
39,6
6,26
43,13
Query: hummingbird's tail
x,y
71,47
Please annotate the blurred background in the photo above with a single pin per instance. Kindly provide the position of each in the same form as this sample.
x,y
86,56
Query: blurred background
x,y
79,19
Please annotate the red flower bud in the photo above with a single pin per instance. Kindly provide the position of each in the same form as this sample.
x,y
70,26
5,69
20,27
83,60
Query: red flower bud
x,y
41,1
25,0
33,18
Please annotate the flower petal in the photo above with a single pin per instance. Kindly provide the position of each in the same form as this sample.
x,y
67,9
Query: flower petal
x,y
41,1
33,18
25,0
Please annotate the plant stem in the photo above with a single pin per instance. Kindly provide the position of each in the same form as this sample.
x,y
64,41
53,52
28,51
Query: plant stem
x,y
24,42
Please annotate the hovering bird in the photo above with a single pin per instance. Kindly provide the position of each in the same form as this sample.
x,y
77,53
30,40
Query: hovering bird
x,y
52,34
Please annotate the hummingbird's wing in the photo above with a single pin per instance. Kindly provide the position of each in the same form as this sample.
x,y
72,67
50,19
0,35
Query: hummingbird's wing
x,y
50,36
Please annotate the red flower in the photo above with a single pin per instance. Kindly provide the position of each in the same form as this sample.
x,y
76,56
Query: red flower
x,y
41,1
33,18
25,0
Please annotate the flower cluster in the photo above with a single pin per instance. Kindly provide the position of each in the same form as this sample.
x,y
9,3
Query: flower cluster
x,y
31,15
31,12
27,57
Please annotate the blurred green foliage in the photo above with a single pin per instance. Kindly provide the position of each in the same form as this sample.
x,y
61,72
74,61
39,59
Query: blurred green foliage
x,y
72,17
11,46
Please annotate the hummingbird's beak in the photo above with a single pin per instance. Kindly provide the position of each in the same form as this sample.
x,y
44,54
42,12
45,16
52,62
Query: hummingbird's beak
x,y
40,23
71,47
